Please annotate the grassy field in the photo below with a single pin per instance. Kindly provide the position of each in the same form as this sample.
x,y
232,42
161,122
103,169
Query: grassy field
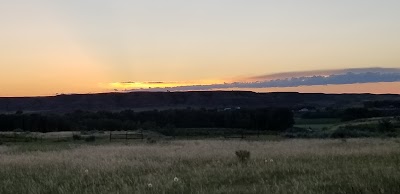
x,y
203,166
316,123
334,128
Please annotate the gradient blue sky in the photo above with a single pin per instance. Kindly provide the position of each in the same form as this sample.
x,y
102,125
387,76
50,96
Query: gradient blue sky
x,y
58,46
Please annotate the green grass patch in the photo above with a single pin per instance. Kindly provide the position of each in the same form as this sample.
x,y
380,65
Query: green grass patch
x,y
316,124
300,121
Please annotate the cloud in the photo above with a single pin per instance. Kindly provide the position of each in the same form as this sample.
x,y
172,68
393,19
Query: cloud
x,y
324,73
307,78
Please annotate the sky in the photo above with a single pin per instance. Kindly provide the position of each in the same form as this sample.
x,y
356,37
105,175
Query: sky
x,y
50,47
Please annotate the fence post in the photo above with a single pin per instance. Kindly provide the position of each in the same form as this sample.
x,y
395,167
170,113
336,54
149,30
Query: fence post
x,y
126,136
110,135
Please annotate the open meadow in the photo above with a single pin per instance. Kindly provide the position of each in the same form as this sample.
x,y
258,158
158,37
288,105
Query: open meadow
x,y
368,165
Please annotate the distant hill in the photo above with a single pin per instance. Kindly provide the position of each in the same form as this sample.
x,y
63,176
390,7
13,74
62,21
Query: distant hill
x,y
139,101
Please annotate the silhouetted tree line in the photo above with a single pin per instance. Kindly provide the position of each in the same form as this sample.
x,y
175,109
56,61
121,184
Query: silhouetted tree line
x,y
330,113
361,113
349,114
382,104
276,119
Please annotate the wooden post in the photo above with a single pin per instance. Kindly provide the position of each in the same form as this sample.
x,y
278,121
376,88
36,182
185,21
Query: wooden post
x,y
110,136
126,136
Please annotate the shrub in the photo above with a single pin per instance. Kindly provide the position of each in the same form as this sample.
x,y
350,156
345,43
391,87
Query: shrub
x,y
18,130
168,130
84,132
296,132
385,126
90,138
150,140
76,137
345,132
243,155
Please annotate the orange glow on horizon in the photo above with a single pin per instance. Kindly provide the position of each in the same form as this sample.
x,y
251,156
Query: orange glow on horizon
x,y
373,88
149,85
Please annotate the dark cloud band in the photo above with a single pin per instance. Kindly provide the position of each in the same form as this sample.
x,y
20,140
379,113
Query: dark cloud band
x,y
336,77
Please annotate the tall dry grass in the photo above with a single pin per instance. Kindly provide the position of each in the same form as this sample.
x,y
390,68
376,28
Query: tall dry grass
x,y
206,166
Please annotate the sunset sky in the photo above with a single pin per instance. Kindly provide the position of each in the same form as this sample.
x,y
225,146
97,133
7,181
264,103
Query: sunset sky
x,y
49,47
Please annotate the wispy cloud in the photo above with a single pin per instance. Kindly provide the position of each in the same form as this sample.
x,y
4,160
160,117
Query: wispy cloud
x,y
289,79
323,73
